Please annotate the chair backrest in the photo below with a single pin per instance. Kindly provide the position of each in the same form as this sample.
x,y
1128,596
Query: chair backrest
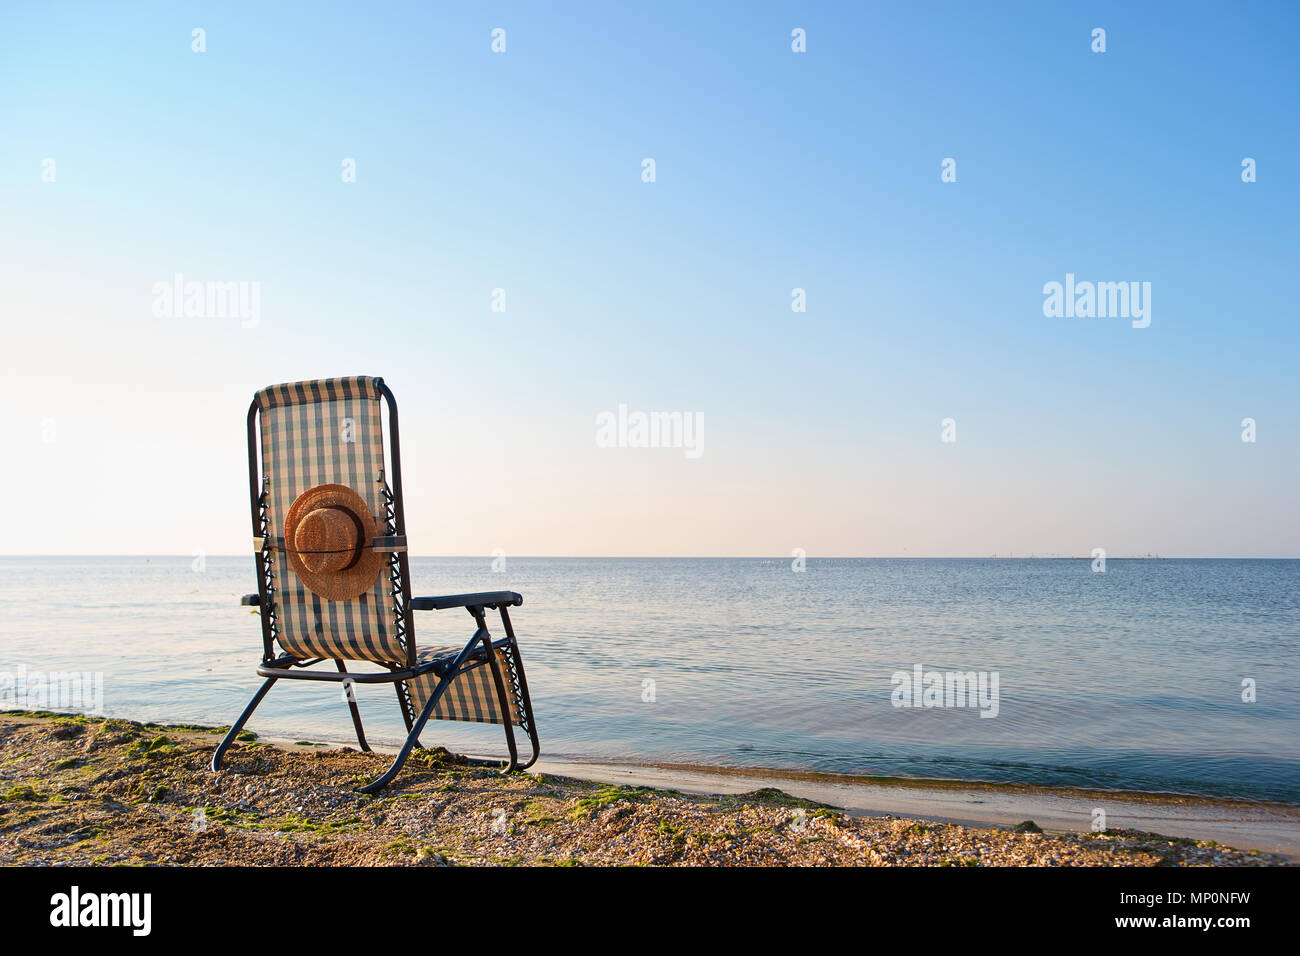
x,y
328,431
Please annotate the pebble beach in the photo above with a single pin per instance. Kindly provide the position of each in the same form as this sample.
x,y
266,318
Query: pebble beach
x,y
87,791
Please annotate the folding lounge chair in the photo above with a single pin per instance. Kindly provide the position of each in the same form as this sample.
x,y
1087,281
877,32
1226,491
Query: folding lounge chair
x,y
329,539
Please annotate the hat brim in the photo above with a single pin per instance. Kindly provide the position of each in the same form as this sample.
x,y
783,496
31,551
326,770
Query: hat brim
x,y
351,582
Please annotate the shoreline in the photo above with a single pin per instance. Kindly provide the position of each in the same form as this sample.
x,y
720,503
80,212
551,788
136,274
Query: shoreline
x,y
923,783
89,791
1265,826
833,779
1268,827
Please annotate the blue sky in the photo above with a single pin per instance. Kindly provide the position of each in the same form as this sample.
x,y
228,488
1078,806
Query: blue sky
x,y
774,170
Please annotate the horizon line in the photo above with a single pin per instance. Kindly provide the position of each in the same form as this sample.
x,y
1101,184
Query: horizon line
x,y
728,557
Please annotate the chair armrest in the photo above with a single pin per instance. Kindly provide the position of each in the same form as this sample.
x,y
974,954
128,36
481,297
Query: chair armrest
x,y
250,600
481,599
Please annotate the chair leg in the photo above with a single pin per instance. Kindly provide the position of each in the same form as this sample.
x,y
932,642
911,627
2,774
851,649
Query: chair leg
x,y
480,636
527,702
533,742
502,699
404,705
352,706
238,725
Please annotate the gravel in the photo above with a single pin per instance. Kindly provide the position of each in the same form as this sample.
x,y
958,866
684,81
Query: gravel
x,y
86,791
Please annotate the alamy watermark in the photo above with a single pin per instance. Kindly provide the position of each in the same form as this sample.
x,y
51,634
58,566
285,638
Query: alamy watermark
x,y
75,908
80,691
1101,300
922,688
633,429
208,300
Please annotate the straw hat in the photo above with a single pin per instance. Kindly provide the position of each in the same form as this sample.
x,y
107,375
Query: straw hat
x,y
327,535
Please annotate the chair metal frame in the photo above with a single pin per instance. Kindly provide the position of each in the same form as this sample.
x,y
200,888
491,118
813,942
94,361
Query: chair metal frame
x,y
479,649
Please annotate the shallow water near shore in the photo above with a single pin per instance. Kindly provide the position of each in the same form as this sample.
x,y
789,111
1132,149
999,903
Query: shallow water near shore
x,y
1130,679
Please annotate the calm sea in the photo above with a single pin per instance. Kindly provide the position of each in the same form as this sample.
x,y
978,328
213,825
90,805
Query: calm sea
x,y
1130,679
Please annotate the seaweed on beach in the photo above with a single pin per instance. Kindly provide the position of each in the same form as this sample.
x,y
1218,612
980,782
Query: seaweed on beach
x,y
92,791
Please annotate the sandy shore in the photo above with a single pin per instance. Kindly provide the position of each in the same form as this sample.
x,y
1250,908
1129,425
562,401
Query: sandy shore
x,y
1248,825
79,790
